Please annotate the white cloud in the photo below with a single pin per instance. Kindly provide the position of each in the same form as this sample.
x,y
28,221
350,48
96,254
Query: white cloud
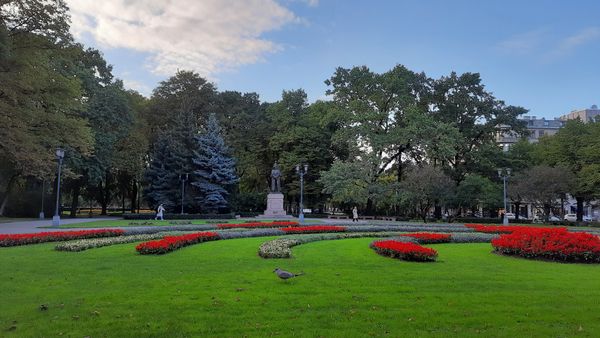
x,y
524,43
546,47
206,36
570,43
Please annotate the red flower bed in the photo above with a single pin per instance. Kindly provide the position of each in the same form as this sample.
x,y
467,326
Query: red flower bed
x,y
314,229
257,225
429,238
404,251
171,243
55,236
553,244
499,229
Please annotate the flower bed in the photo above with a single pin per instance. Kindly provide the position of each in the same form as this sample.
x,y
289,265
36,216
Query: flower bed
x,y
551,244
499,229
90,243
258,225
171,243
314,229
54,236
404,251
429,238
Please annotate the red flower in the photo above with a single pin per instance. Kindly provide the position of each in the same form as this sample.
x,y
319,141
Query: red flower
x,y
171,243
54,236
553,244
404,251
498,229
314,229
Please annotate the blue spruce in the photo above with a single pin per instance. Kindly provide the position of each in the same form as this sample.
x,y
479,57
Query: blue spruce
x,y
214,174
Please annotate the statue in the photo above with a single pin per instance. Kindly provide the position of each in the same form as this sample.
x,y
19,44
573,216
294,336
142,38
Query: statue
x,y
275,178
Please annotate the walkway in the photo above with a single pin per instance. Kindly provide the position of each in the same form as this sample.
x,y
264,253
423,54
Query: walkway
x,y
24,227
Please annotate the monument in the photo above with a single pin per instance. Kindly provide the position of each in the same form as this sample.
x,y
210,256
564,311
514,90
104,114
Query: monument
x,y
275,197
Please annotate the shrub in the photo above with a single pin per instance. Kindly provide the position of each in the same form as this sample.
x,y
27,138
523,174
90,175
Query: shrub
x,y
90,243
171,243
276,224
429,238
314,229
405,251
55,236
552,244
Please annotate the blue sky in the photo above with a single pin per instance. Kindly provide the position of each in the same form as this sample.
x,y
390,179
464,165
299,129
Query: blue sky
x,y
542,55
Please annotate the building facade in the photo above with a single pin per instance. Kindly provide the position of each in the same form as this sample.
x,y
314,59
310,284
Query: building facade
x,y
585,115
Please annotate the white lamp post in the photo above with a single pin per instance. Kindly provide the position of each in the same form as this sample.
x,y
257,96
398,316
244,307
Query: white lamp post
x,y
301,171
504,173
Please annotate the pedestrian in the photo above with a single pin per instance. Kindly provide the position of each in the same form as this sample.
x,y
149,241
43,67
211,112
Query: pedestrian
x,y
354,214
159,212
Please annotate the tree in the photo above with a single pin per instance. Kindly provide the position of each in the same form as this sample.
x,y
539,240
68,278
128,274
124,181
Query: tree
x,y
570,148
425,186
463,102
40,98
476,191
214,170
543,186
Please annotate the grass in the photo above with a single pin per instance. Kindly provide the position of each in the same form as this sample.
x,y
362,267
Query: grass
x,y
16,219
223,288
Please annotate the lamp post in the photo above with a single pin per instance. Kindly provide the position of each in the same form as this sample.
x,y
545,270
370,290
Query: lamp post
x,y
301,170
60,154
504,173
183,178
42,216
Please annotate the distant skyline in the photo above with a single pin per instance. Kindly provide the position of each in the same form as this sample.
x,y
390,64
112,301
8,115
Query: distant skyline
x,y
541,55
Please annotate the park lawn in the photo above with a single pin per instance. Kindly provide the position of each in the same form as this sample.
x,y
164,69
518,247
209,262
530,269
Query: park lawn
x,y
223,288
130,223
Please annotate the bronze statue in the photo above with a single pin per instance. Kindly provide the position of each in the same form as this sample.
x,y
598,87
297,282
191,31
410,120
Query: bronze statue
x,y
275,178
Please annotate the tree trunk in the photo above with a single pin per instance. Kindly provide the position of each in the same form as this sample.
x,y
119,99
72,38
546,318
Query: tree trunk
x,y
579,208
7,191
437,211
133,195
369,211
517,208
75,198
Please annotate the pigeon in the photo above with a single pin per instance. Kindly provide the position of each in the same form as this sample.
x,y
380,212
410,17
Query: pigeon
x,y
285,275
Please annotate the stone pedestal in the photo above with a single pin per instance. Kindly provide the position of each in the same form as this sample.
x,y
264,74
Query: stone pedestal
x,y
274,206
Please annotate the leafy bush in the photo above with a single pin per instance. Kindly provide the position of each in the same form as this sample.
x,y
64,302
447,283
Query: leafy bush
x,y
552,244
403,250
55,236
171,243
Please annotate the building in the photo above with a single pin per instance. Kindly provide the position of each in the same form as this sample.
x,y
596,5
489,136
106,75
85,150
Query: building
x,y
536,127
585,115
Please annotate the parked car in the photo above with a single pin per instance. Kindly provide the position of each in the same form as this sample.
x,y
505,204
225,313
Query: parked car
x,y
510,215
553,218
540,219
571,217
587,218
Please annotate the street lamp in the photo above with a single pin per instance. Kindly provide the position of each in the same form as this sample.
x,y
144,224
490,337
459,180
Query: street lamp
x,y
183,178
60,154
504,173
42,216
301,171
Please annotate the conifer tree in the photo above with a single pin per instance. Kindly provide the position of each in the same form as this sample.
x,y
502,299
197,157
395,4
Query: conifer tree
x,y
214,173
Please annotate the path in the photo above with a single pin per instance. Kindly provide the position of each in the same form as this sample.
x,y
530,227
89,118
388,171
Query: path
x,y
34,226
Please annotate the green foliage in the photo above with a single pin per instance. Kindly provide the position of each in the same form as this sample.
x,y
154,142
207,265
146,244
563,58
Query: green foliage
x,y
425,186
475,191
213,169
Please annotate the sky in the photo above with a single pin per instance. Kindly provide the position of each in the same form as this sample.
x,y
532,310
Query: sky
x,y
541,55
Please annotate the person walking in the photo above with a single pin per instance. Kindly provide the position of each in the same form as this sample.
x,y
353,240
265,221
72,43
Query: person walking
x,y
354,214
159,212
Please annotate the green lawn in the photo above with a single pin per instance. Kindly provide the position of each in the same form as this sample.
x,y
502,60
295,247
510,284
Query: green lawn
x,y
223,288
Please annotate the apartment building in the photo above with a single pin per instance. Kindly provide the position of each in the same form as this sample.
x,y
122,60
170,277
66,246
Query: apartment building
x,y
585,115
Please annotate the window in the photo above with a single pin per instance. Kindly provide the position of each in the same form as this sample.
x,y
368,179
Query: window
x,y
540,133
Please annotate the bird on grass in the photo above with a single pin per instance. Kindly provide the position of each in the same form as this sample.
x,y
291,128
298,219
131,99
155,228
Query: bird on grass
x,y
285,275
